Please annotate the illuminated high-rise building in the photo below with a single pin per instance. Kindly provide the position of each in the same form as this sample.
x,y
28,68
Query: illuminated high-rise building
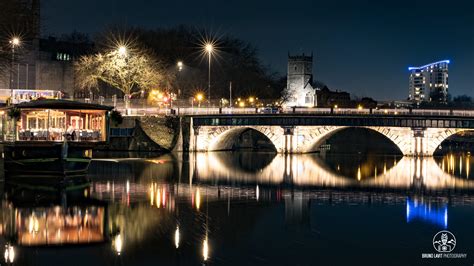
x,y
429,82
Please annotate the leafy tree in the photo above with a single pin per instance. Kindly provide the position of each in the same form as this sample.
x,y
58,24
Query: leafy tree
x,y
129,71
462,99
116,117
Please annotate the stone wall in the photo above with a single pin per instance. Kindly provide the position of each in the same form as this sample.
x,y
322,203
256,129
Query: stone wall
x,y
150,134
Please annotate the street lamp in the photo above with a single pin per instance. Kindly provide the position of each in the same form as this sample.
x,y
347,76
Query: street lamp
x,y
14,42
209,48
122,50
199,97
180,67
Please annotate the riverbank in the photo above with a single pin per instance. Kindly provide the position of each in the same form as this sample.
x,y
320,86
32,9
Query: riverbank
x,y
144,134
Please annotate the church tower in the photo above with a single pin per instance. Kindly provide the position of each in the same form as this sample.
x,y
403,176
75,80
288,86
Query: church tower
x,y
299,91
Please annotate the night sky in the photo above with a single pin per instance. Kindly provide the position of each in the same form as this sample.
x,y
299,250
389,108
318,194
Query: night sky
x,y
363,47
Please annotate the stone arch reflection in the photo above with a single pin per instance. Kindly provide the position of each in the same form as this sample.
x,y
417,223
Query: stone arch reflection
x,y
457,164
246,161
304,170
360,166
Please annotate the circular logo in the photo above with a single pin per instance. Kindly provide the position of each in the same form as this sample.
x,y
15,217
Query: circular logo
x,y
444,241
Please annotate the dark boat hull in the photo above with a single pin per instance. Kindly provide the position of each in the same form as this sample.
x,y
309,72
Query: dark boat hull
x,y
46,165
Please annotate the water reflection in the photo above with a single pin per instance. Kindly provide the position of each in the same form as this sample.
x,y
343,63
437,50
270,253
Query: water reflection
x,y
359,166
456,164
312,170
9,254
51,222
198,208
432,212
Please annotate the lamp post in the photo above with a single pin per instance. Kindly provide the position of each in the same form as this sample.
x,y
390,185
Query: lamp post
x,y
122,53
179,65
209,49
14,42
199,97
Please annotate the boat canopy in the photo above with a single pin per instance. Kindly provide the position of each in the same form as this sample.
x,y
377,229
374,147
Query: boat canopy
x,y
60,104
54,120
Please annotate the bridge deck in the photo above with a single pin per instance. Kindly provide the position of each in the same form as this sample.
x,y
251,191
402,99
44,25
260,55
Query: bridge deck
x,y
290,120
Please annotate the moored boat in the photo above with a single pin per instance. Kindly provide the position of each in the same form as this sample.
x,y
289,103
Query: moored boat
x,y
49,142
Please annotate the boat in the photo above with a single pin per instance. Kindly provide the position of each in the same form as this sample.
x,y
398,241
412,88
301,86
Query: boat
x,y
48,143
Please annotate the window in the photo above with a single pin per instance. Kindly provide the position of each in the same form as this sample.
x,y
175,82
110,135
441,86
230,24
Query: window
x,y
63,57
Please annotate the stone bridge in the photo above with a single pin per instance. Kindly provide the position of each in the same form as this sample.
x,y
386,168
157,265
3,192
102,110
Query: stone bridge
x,y
413,134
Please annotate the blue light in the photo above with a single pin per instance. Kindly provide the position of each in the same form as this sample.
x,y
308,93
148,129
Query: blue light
x,y
421,211
430,64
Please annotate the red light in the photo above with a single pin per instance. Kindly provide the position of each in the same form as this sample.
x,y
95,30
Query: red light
x,y
165,99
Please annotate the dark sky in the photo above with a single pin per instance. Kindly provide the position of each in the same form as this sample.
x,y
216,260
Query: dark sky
x,y
363,47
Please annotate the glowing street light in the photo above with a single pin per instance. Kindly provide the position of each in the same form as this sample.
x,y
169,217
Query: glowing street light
x,y
14,42
209,48
199,98
122,50
179,65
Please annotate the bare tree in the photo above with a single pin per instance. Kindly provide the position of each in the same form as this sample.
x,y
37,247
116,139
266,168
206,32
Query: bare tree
x,y
129,71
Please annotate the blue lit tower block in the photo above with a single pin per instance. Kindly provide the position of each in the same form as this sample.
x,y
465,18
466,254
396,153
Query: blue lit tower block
x,y
429,82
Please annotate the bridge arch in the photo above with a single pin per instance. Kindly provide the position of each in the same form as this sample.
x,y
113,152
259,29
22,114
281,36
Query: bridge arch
x,y
435,137
224,138
310,138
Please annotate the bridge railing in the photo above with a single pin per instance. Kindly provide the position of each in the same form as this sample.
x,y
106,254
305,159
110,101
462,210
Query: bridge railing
x,y
140,107
339,111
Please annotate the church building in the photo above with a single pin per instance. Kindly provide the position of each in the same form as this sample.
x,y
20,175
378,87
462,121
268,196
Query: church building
x,y
299,90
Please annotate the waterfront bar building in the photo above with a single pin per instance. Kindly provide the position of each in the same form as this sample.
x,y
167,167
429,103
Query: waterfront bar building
x,y
54,120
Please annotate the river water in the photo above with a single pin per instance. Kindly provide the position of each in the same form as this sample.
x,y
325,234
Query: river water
x,y
244,208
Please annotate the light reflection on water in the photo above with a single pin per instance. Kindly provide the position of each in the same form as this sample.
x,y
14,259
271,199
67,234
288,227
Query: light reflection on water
x,y
216,208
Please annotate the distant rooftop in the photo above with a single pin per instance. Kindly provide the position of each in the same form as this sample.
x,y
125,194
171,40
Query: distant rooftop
x,y
300,56
430,64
